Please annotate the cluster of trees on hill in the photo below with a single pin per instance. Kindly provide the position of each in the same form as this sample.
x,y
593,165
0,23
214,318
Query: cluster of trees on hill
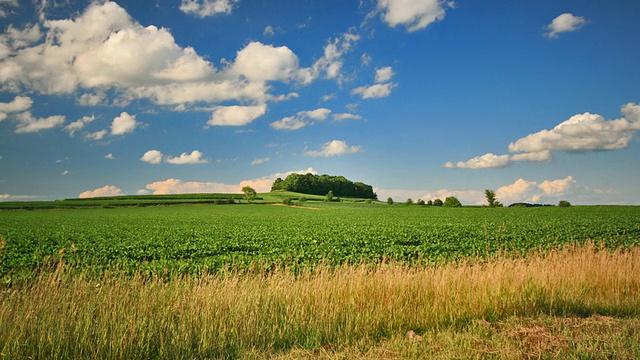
x,y
322,184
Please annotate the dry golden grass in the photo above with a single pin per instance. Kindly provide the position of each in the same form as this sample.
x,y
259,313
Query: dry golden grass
x,y
569,302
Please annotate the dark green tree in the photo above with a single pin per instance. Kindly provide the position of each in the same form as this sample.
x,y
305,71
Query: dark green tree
x,y
329,196
564,203
389,201
491,198
409,201
452,201
249,193
437,202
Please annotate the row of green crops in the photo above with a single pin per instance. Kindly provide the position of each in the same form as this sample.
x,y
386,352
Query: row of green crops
x,y
177,240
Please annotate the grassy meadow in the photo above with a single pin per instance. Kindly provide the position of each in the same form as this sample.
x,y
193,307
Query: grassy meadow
x,y
320,280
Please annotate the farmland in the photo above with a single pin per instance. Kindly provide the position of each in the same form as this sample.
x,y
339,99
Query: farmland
x,y
129,279
178,240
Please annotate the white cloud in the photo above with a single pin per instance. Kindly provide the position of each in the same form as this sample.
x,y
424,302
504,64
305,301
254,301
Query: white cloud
x,y
384,74
194,158
177,186
334,148
108,190
260,161
345,116
584,132
66,172
18,104
124,124
329,97
204,8
289,123
564,23
268,31
152,157
110,156
156,157
3,12
330,64
89,99
490,160
79,124
103,48
317,114
374,91
9,197
236,115
413,14
530,191
301,119
98,135
259,62
26,123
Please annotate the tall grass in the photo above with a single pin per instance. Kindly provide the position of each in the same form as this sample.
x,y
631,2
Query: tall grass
x,y
324,313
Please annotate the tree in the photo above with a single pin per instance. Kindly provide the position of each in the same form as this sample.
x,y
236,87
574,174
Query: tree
x,y
329,196
409,201
389,201
249,193
564,203
452,201
437,202
491,198
420,202
430,203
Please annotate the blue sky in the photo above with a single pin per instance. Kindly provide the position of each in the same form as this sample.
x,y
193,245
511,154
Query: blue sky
x,y
537,100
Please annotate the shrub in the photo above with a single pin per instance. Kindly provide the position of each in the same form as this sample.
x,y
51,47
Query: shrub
x,y
389,201
286,201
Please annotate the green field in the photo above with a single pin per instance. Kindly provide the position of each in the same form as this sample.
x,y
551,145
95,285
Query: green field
x,y
119,279
173,240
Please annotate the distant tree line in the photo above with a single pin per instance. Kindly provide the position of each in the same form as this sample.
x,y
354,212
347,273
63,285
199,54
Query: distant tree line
x,y
322,184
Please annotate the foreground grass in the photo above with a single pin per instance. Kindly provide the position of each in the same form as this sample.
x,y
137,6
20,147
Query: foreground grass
x,y
576,302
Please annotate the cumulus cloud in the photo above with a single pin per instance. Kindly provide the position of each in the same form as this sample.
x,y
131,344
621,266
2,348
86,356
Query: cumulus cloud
x,y
412,14
124,124
490,160
564,23
204,8
108,190
79,124
177,186
530,191
236,115
581,132
260,161
301,119
18,104
194,158
26,123
156,157
374,91
102,48
152,157
384,74
584,132
334,148
259,62
110,156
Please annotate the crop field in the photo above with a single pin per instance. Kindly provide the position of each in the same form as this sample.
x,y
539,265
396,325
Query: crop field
x,y
196,239
343,280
